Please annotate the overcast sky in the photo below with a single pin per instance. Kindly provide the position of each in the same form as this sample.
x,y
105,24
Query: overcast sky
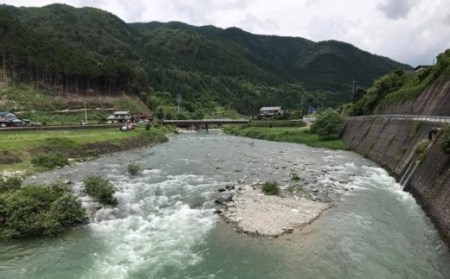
x,y
410,31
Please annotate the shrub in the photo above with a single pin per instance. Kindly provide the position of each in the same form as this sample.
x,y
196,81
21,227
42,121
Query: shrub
x,y
328,124
101,189
134,169
8,157
148,126
39,210
50,160
271,188
10,183
444,141
421,149
295,177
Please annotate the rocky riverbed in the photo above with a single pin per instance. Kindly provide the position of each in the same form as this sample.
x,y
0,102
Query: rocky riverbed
x,y
305,192
258,214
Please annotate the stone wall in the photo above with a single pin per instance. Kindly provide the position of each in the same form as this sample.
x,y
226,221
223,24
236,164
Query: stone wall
x,y
391,144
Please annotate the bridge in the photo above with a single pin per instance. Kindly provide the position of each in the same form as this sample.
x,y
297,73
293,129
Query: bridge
x,y
204,122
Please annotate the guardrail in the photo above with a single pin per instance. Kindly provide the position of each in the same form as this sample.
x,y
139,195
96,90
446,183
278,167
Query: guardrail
x,y
428,118
65,127
207,121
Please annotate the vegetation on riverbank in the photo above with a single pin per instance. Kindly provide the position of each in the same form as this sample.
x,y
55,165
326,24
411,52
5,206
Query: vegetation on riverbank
x,y
26,149
37,210
323,133
398,87
328,125
286,134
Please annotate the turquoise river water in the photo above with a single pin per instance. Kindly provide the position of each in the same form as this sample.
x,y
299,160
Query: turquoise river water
x,y
165,226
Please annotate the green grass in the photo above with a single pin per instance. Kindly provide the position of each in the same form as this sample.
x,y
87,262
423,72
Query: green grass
x,y
51,108
286,134
71,142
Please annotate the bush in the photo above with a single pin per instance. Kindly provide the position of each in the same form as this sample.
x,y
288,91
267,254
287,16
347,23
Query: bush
x,y
295,177
10,183
101,189
38,210
134,169
328,124
271,188
50,160
444,141
421,149
8,157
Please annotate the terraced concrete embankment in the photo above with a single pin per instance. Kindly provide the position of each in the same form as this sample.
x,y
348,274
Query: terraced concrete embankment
x,y
391,142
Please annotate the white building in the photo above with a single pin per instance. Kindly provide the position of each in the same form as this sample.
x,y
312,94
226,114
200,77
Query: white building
x,y
270,111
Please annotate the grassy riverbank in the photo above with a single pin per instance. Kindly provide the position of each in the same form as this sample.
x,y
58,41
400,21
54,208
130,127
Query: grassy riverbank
x,y
286,134
18,149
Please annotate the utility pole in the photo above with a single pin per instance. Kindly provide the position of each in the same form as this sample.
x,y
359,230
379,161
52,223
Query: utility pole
x,y
301,106
85,113
179,99
353,89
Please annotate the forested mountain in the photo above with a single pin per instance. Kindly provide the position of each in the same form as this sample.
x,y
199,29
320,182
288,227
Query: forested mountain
x,y
61,49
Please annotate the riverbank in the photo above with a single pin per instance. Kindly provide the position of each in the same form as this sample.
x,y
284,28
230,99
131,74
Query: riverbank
x,y
17,149
286,134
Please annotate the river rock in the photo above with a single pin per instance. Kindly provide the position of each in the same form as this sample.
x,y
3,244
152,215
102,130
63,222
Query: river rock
x,y
221,200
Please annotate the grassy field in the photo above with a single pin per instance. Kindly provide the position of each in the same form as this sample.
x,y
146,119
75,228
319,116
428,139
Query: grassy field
x,y
286,134
21,147
27,102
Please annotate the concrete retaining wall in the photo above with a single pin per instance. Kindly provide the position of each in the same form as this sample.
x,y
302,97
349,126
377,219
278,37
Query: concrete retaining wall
x,y
391,144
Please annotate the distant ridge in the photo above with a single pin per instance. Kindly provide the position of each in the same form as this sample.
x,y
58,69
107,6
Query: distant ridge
x,y
84,48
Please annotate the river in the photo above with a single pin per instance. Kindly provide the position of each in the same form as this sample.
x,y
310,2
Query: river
x,y
165,226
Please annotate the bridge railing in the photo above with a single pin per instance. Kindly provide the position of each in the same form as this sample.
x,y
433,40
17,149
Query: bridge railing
x,y
428,118
205,121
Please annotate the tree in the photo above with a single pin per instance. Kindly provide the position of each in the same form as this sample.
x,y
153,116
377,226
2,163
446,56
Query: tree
x,y
328,124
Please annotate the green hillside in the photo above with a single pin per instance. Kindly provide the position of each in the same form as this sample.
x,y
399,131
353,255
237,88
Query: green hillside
x,y
83,51
399,87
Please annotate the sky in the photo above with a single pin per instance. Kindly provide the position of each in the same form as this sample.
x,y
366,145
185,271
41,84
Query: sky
x,y
409,31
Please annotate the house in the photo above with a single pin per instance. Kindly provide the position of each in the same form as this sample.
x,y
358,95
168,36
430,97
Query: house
x,y
270,111
421,68
120,117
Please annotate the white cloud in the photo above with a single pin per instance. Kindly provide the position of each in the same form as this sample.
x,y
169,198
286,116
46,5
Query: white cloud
x,y
410,31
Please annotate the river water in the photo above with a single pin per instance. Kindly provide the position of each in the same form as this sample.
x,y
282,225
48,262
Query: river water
x,y
165,226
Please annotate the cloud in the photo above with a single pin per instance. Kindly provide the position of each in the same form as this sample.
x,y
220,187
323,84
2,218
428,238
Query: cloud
x,y
396,9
